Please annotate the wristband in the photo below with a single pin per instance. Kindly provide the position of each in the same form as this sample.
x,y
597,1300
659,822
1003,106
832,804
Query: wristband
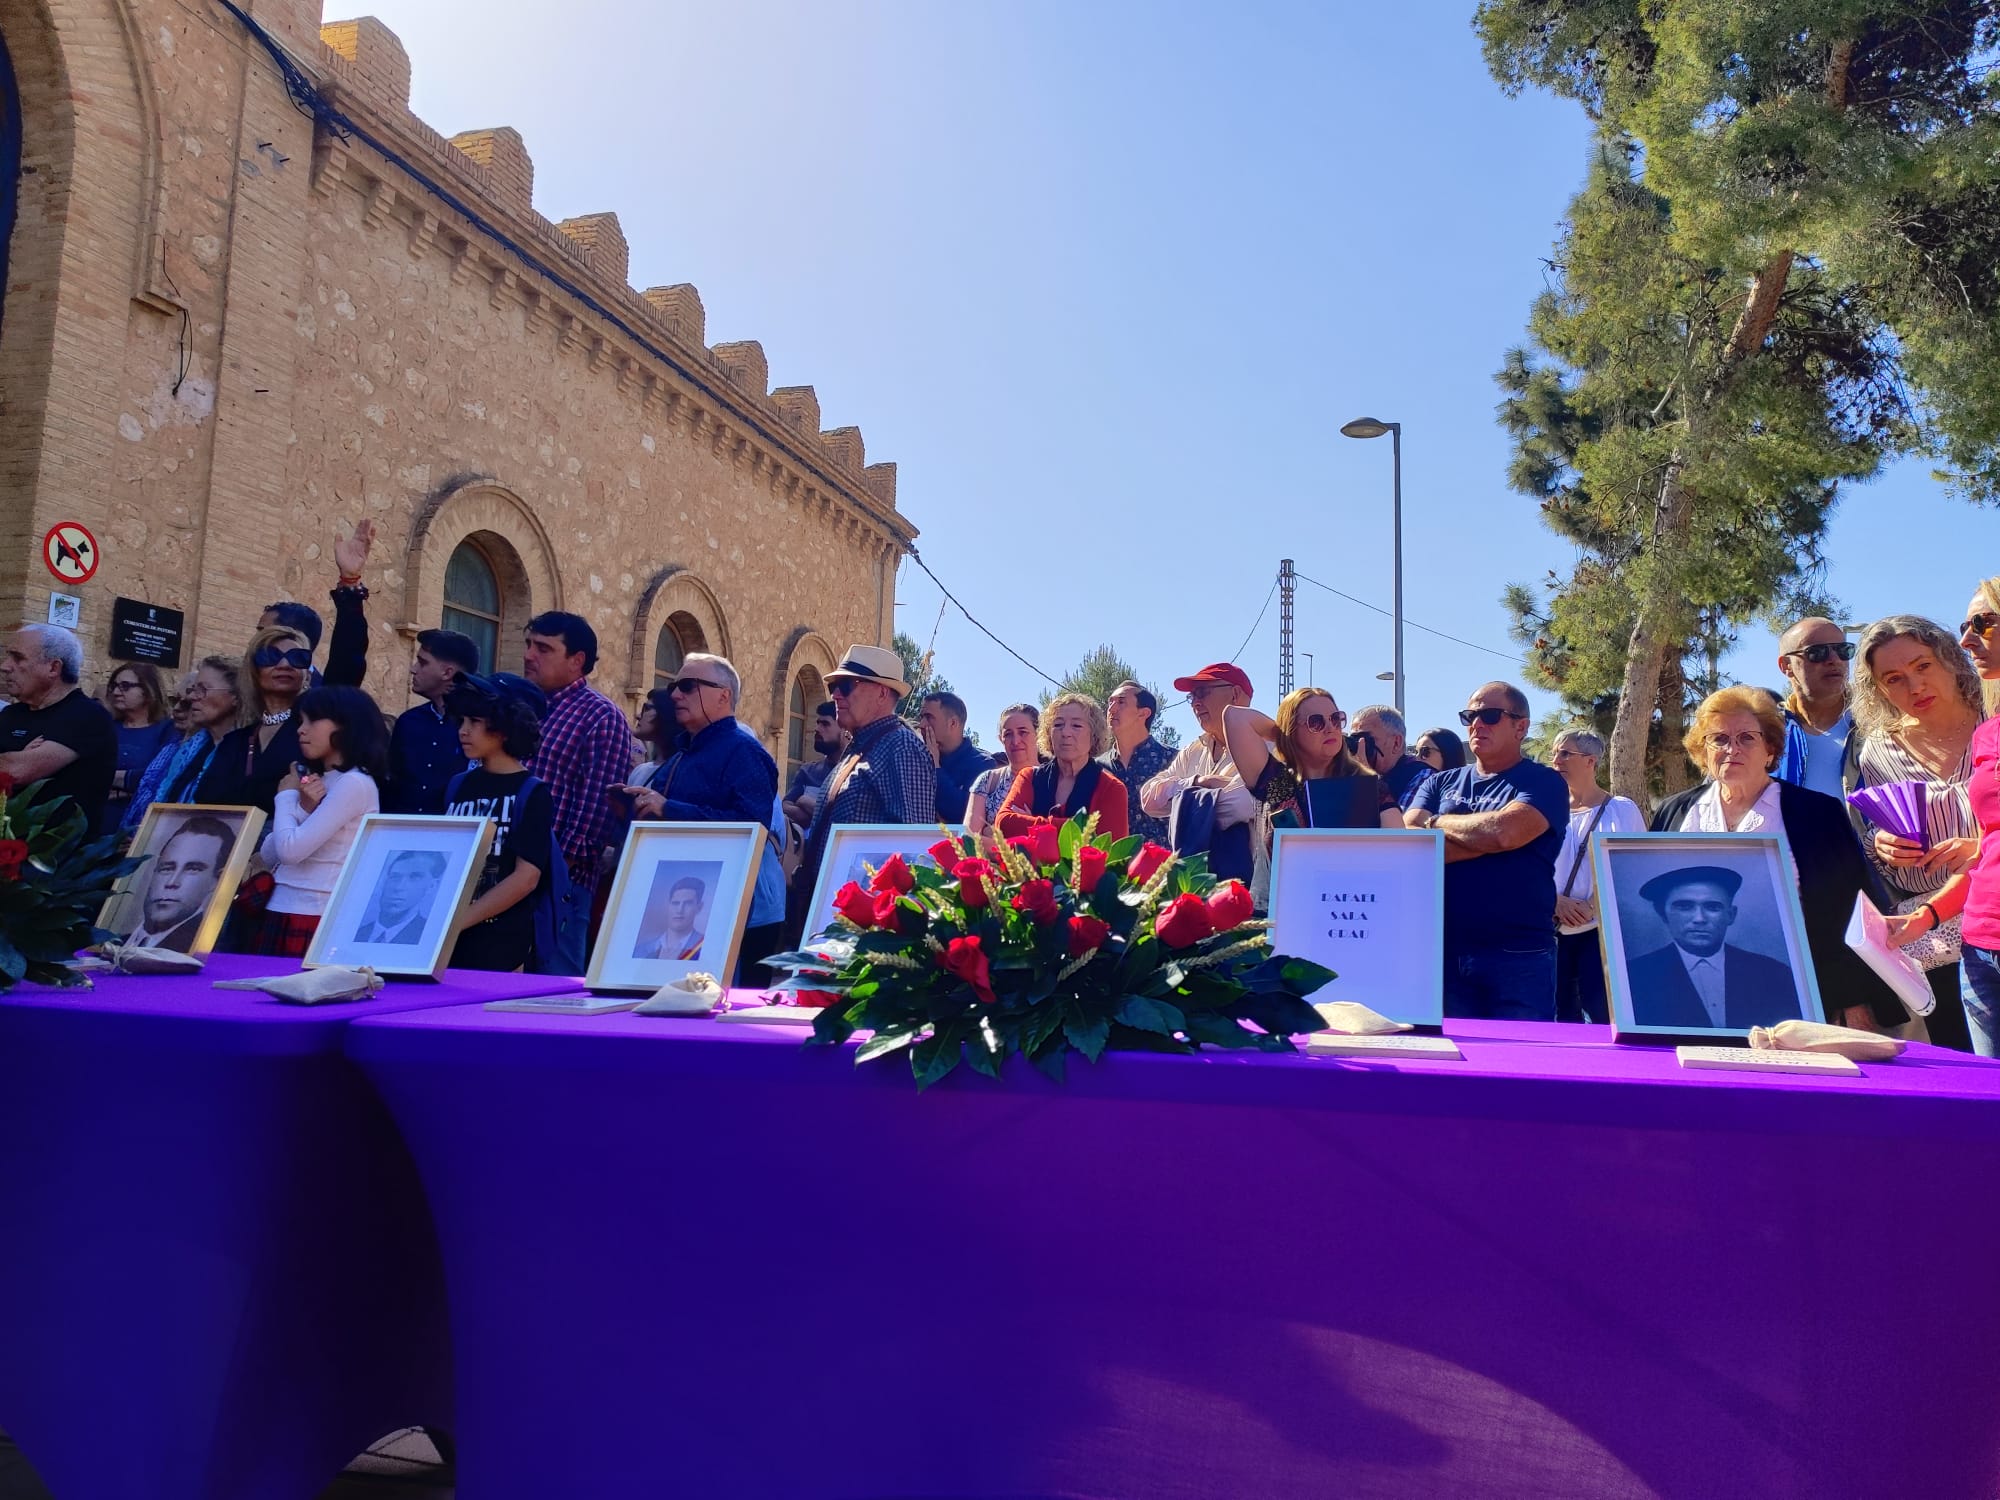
x,y
1936,920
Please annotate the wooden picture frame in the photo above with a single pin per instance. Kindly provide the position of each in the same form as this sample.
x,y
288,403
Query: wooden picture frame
x,y
400,900
851,848
679,903
1368,903
187,929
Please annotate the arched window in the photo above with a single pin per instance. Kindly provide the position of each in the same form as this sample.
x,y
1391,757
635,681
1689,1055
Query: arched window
x,y
808,692
472,601
681,634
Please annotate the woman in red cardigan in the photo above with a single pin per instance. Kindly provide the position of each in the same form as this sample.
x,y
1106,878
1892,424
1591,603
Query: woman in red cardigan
x,y
1073,735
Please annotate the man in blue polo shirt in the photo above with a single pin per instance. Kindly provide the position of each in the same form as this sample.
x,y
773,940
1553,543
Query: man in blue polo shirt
x,y
1502,817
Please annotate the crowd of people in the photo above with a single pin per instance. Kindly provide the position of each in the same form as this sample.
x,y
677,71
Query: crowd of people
x,y
564,776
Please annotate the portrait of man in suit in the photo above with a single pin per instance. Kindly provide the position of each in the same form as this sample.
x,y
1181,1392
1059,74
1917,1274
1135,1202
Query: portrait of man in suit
x,y
181,883
403,899
671,929
1701,981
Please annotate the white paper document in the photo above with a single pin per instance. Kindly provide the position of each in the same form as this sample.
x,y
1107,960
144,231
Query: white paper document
x,y
1390,1044
1745,1060
1868,935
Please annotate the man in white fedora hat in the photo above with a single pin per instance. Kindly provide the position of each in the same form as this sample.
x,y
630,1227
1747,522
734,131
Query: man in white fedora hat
x,y
886,776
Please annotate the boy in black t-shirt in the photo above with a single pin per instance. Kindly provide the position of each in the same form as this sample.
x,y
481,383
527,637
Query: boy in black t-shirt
x,y
500,729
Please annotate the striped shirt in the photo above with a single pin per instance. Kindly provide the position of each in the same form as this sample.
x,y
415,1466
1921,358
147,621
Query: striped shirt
x,y
1948,810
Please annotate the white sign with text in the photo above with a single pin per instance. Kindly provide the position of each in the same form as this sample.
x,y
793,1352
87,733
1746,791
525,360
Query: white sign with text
x,y
1369,904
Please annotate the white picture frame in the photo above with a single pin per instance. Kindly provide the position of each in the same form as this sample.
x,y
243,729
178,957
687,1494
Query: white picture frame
x,y
1367,903
1761,933
679,903
400,900
854,848
215,865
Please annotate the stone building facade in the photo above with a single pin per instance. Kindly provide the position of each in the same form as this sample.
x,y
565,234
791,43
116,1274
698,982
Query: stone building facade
x,y
230,329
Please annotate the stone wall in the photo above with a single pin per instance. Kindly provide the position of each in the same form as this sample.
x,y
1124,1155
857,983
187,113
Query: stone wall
x,y
228,333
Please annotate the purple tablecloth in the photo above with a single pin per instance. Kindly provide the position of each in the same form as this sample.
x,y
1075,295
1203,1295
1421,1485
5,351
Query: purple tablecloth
x,y
687,1258
218,1278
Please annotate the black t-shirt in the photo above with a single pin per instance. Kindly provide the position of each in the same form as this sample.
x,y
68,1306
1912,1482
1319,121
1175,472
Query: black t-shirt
x,y
80,723
524,828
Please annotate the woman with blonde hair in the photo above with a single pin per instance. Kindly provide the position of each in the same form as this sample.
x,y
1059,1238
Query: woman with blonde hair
x,y
1916,703
1020,729
1735,740
250,763
1073,734
1973,894
1299,768
215,710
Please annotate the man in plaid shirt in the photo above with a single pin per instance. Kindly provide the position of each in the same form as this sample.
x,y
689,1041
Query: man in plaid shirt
x,y
586,744
886,776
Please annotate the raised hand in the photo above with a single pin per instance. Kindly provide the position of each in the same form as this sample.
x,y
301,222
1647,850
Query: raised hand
x,y
350,553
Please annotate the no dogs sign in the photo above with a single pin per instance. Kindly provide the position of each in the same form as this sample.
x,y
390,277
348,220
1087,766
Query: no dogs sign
x,y
70,552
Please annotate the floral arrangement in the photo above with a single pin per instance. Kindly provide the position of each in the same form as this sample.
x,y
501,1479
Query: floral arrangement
x,y
1047,943
54,879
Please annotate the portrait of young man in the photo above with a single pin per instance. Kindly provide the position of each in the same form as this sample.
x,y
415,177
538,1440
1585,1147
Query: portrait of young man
x,y
404,897
1700,980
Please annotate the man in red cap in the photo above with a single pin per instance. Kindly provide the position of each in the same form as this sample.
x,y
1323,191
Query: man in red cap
x,y
1205,762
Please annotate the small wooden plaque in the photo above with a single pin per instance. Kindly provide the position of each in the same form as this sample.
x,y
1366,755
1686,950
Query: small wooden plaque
x,y
773,1015
1747,1060
584,1004
1390,1044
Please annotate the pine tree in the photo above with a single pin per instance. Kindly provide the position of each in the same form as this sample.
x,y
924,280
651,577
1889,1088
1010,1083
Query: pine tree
x,y
1097,676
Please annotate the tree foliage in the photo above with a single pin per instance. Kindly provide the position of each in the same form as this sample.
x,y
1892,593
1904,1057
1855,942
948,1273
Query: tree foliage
x,y
1098,675
1781,271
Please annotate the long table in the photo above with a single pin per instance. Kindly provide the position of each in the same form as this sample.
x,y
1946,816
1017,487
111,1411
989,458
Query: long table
x,y
694,1259
218,1278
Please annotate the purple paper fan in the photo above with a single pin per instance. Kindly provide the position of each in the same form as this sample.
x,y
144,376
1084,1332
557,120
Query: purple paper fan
x,y
1898,807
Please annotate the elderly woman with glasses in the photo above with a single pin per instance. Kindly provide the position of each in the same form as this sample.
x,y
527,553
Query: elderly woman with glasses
x,y
1071,780
1972,896
1736,738
1303,773
1580,992
251,761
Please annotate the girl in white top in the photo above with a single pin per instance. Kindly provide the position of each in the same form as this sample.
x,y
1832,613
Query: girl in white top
x,y
1580,993
318,812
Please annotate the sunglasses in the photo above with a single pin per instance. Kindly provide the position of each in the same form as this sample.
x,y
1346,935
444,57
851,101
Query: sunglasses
x,y
1980,625
1470,716
687,686
843,687
1320,723
1817,654
296,656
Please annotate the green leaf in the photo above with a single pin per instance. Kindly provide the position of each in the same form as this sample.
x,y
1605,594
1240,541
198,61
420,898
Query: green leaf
x,y
1143,1014
1069,836
1217,1030
830,1028
1052,1059
1281,1014
1041,1024
884,1042
1120,854
1303,977
932,1059
1088,1034
12,962
979,1057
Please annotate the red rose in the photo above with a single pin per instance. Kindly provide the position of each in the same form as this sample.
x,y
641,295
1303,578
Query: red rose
x,y
893,876
947,854
888,916
1090,863
6,781
970,873
856,905
1087,935
1038,899
1146,863
1230,906
1048,843
13,854
964,959
1185,922
815,999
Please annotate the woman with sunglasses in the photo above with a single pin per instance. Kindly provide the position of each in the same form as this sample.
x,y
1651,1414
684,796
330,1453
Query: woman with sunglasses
x,y
1440,749
1814,655
318,807
1303,774
138,705
1735,741
250,763
1916,705
1973,894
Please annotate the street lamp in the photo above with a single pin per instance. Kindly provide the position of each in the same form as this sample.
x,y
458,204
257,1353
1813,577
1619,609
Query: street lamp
x,y
1374,427
1309,666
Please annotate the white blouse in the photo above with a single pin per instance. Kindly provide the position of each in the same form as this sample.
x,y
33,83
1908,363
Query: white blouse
x,y
305,850
1621,815
1707,816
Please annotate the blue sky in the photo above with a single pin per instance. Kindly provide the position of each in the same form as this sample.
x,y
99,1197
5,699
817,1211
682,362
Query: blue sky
x,y
1104,281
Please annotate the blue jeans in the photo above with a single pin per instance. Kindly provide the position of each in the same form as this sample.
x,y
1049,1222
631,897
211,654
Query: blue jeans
x,y
1981,972
1505,984
1580,978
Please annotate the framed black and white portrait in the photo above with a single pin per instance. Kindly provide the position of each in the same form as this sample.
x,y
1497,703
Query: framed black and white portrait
x,y
678,904
194,858
1702,935
402,894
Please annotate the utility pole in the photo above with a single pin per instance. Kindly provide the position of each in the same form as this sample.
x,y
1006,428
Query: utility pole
x,y
1285,587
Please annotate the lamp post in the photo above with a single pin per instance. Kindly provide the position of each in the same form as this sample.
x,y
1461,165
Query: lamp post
x,y
1373,427
1309,667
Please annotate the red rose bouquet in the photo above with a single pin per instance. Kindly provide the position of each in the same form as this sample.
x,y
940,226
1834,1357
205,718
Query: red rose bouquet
x,y
54,879
1046,943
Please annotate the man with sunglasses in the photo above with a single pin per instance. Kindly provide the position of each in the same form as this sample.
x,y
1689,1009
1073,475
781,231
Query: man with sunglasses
x,y
1502,817
1205,766
1813,655
719,772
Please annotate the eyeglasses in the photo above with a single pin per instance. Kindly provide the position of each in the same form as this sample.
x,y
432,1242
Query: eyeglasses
x,y
1568,754
126,686
1202,691
1320,723
1470,716
686,686
1717,743
1980,625
271,656
1818,654
199,690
